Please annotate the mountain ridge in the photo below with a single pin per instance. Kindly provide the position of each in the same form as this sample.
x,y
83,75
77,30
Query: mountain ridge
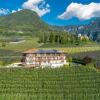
x,y
92,30
24,21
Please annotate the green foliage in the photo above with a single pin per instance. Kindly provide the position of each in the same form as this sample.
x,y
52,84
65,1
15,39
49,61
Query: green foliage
x,y
1,63
3,44
22,23
74,83
60,38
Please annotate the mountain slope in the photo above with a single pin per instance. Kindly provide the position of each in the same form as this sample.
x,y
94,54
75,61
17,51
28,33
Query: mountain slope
x,y
24,21
92,29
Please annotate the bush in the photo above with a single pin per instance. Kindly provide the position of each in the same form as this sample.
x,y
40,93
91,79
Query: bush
x,y
70,59
1,62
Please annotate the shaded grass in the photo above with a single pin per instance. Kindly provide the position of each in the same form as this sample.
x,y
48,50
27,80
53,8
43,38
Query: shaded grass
x,y
9,56
93,54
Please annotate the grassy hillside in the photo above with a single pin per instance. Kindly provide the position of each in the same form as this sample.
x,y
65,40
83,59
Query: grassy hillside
x,y
50,84
28,43
24,22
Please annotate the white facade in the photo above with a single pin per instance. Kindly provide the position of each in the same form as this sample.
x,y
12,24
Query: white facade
x,y
54,64
52,60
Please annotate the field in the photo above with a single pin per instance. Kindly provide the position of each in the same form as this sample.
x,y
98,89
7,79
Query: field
x,y
30,43
93,54
12,52
67,83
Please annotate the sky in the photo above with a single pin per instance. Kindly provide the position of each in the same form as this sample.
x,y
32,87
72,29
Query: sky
x,y
56,12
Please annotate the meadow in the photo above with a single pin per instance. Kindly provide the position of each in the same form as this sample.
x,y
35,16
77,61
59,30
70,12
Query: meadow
x,y
33,42
12,51
67,83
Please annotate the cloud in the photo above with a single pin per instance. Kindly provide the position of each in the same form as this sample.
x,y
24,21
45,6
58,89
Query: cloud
x,y
39,6
82,12
13,11
4,11
7,11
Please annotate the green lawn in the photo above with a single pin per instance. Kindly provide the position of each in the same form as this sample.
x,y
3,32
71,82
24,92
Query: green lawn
x,y
29,43
73,83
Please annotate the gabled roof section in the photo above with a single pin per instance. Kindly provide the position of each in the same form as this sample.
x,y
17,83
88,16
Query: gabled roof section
x,y
34,51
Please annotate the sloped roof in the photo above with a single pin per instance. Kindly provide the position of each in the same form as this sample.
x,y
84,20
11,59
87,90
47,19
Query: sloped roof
x,y
44,51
